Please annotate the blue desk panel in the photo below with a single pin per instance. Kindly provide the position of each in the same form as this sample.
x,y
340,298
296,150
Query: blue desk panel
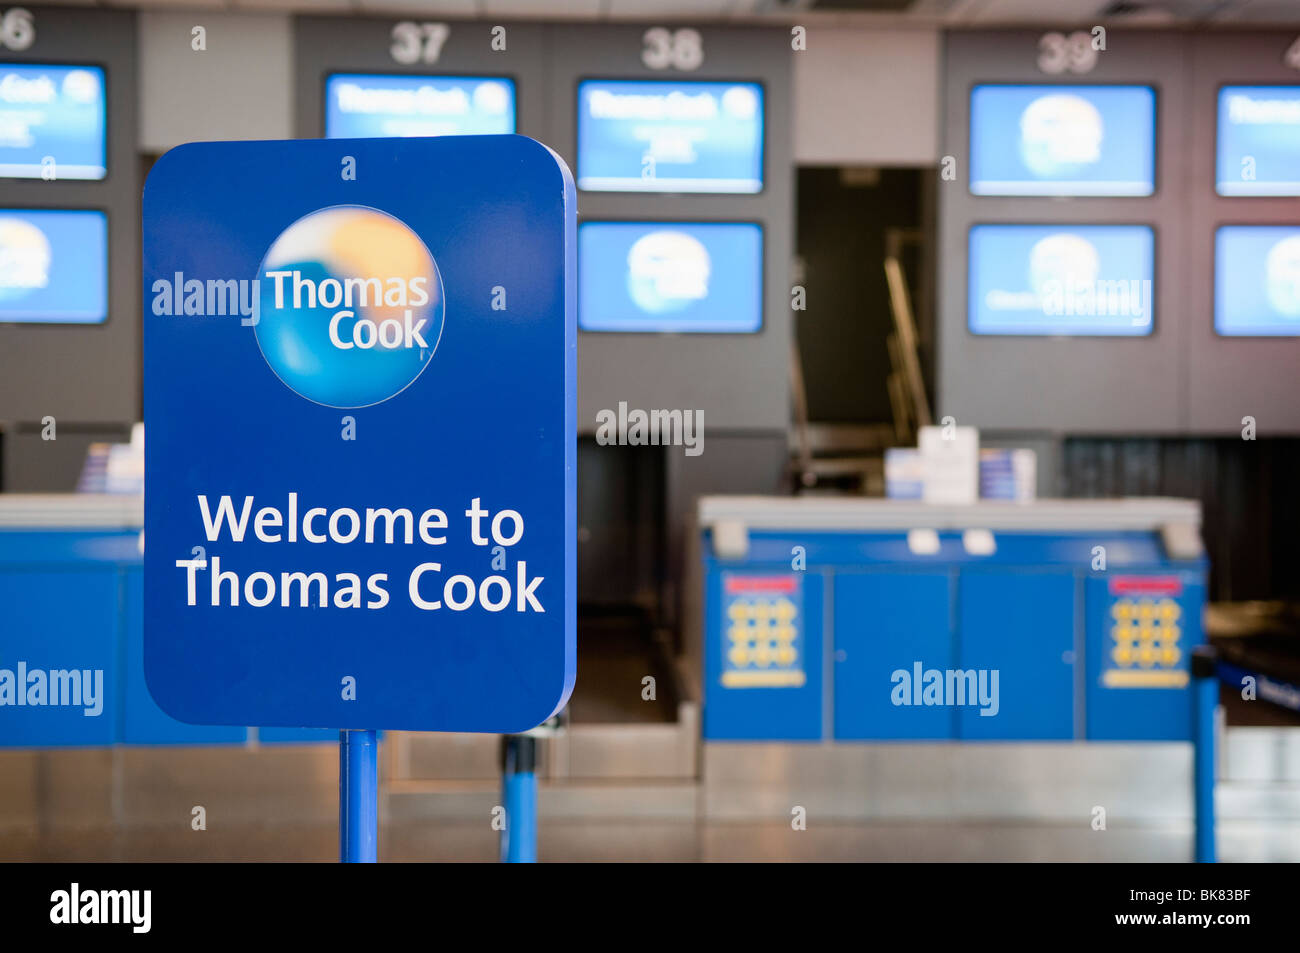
x,y
1141,632
764,652
1033,609
888,622
296,736
73,599
1021,625
60,619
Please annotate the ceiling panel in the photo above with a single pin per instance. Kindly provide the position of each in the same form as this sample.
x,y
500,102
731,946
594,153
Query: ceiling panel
x,y
1033,11
863,6
668,9
544,9
424,8
294,6
169,4
1260,11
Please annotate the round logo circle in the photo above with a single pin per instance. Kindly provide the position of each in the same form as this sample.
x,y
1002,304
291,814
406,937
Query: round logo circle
x,y
1282,267
1060,135
667,271
351,306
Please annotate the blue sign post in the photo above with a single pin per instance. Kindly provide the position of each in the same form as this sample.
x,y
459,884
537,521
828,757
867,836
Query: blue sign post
x,y
359,386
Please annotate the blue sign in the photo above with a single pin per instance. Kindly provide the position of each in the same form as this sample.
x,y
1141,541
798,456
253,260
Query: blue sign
x,y
1258,141
53,266
1061,279
376,106
359,388
51,122
1257,280
1062,140
664,136
670,276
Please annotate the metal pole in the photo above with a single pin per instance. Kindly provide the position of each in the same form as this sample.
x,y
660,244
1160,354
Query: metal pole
x,y
519,783
1205,699
358,797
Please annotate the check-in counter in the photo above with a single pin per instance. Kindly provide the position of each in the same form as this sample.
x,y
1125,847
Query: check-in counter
x,y
71,630
865,619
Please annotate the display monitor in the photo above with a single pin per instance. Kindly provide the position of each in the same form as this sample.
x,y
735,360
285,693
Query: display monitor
x,y
1258,151
374,106
670,136
1062,140
1061,279
1257,280
670,276
53,266
52,122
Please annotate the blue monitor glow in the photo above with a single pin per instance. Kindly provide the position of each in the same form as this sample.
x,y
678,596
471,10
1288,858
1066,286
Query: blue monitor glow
x,y
670,277
1257,280
666,136
1061,279
1063,140
53,266
1258,150
360,106
52,122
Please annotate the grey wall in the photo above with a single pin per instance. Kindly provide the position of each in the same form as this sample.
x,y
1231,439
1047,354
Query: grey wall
x,y
83,374
34,465
1230,378
1182,379
1075,384
237,88
740,381
885,81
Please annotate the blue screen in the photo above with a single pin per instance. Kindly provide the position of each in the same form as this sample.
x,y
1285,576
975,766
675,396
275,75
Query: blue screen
x,y
1257,280
670,136
376,107
53,266
660,276
1061,279
1259,141
1063,140
51,117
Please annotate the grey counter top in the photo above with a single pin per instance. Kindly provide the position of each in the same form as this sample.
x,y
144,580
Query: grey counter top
x,y
70,511
860,513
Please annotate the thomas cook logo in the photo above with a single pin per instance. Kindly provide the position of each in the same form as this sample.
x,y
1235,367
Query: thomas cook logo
x,y
350,306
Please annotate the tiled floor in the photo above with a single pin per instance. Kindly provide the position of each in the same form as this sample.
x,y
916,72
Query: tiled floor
x,y
670,841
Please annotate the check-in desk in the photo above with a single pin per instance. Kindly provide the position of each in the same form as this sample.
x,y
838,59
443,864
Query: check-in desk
x,y
71,611
859,619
